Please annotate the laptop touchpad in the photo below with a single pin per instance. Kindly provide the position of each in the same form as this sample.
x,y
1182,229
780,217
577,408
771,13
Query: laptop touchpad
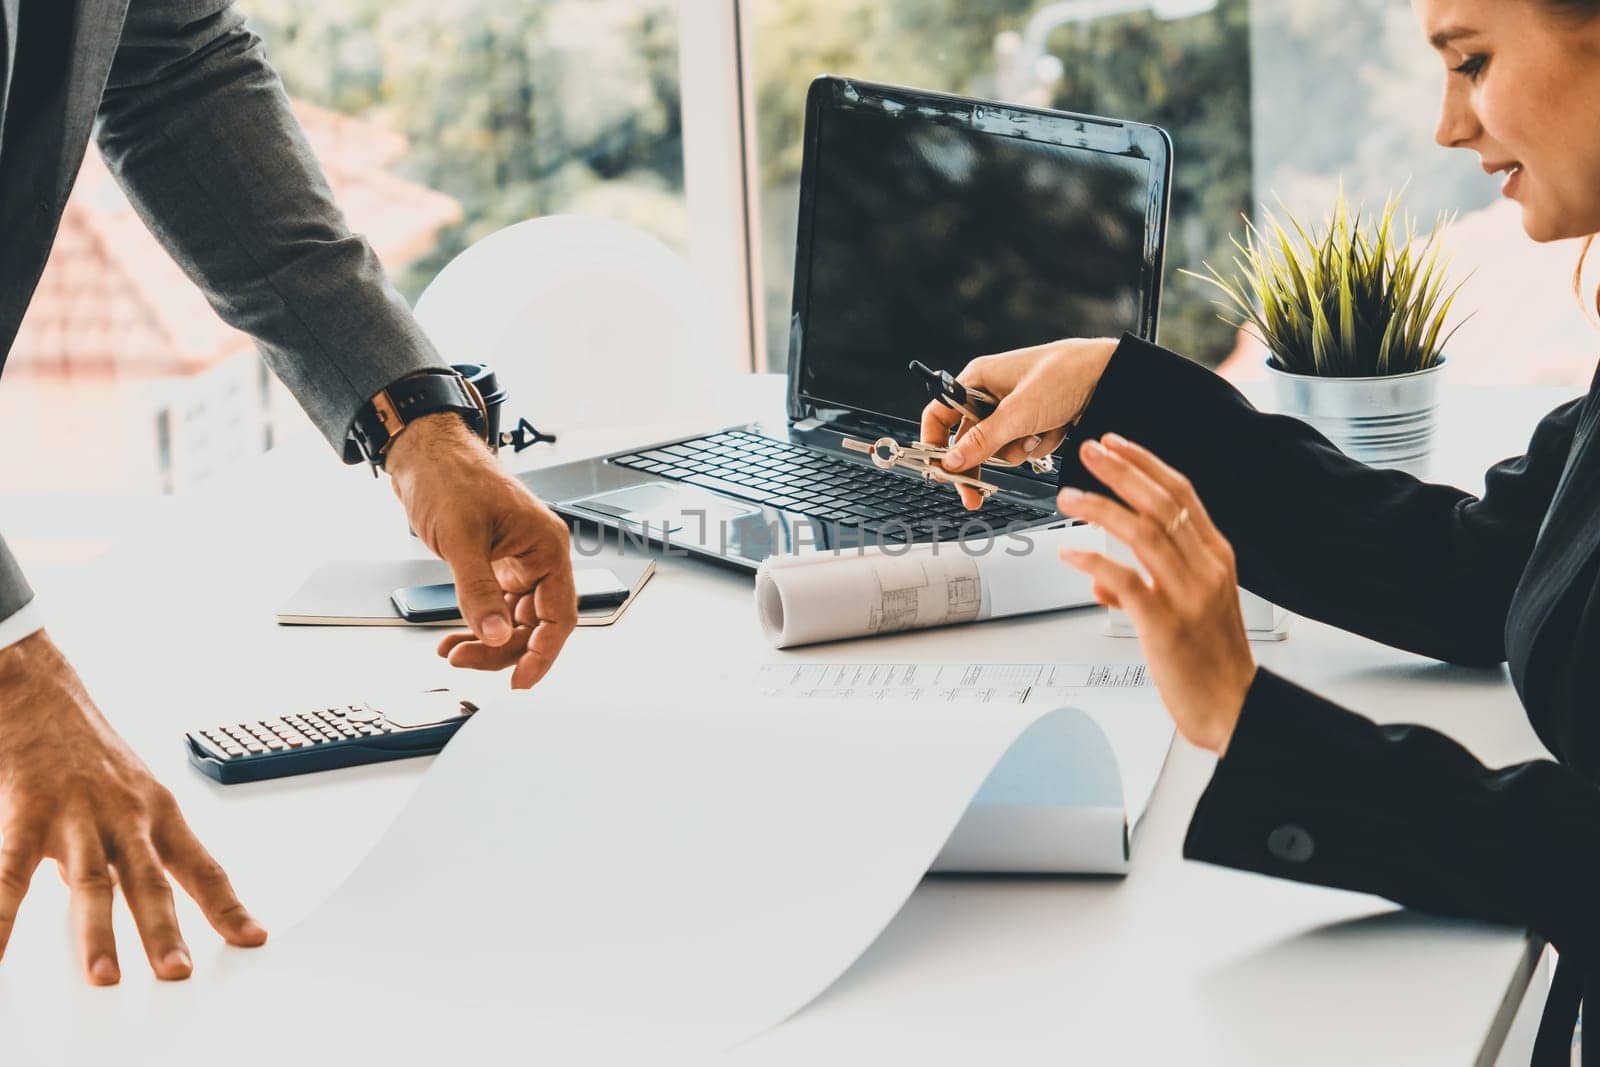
x,y
687,514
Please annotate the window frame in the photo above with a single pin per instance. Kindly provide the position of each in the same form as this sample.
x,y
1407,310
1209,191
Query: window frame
x,y
719,161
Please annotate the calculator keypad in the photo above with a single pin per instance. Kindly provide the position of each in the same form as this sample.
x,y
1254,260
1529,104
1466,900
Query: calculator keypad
x,y
306,730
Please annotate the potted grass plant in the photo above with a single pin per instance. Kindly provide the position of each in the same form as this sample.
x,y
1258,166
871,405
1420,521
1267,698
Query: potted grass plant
x,y
1354,318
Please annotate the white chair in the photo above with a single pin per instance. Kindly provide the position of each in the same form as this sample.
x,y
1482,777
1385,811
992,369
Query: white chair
x,y
587,322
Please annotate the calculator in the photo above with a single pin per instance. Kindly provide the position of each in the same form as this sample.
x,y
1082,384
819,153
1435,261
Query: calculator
x,y
339,735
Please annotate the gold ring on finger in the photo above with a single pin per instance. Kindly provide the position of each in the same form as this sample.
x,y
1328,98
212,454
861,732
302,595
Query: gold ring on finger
x,y
1177,521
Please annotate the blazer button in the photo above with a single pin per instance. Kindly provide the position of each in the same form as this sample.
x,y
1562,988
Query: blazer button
x,y
1291,843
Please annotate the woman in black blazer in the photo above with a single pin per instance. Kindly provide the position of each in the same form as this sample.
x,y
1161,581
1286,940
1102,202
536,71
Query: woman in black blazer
x,y
1306,789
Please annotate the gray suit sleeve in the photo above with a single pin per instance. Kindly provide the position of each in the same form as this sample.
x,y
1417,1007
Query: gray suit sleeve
x,y
15,593
197,128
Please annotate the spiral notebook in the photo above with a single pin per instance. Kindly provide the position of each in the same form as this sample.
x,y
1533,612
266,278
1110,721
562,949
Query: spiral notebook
x,y
355,592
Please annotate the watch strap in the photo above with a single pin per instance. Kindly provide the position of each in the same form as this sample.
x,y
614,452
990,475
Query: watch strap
x,y
381,419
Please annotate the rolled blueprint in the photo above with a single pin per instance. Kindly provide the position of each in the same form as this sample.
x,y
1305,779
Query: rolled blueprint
x,y
827,595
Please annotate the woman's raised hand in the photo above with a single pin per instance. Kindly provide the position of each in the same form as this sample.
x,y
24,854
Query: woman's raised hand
x,y
1187,612
1041,390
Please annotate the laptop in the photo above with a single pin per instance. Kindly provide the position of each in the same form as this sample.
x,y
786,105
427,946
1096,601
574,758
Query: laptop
x,y
931,227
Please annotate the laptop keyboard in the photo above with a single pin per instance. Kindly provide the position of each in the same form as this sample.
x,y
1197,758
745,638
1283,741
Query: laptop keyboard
x,y
782,475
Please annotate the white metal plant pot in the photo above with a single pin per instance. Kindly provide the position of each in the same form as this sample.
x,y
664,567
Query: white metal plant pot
x,y
1387,421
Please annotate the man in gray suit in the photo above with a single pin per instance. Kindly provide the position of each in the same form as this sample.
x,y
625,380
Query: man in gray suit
x,y
195,125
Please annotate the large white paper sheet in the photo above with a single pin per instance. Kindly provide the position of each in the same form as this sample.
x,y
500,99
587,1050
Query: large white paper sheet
x,y
827,596
633,884
1052,805
1119,697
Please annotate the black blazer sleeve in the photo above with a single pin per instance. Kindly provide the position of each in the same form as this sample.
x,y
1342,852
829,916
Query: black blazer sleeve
x,y
1423,567
1315,793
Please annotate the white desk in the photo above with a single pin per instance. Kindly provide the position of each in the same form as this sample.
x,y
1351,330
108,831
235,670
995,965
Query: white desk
x,y
1180,962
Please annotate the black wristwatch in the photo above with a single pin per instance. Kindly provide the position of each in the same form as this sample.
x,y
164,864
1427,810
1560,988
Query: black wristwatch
x,y
426,392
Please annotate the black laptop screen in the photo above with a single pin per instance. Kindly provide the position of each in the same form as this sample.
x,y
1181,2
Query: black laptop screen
x,y
942,243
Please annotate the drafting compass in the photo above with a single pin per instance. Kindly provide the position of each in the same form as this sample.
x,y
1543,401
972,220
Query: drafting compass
x,y
887,453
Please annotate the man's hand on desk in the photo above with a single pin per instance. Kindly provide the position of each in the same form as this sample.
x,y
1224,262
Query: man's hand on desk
x,y
71,790
509,554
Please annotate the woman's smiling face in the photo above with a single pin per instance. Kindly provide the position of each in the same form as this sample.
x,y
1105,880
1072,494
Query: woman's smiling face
x,y
1522,90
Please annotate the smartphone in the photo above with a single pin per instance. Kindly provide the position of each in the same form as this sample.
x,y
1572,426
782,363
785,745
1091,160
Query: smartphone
x,y
426,603
598,587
